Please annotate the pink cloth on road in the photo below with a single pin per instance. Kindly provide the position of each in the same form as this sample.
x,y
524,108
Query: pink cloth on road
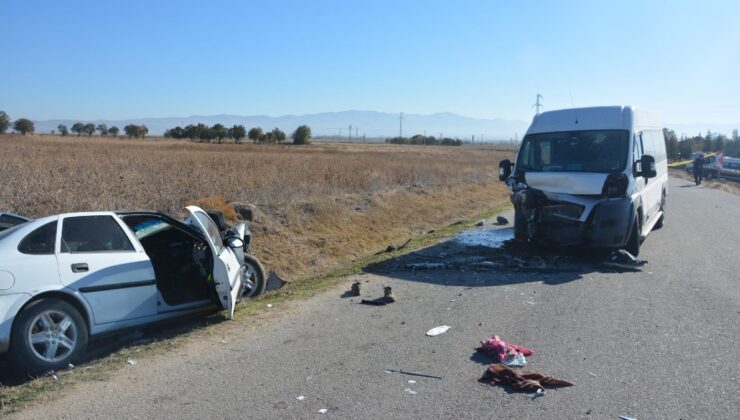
x,y
495,346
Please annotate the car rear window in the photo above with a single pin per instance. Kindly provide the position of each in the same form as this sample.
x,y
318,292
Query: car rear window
x,y
41,241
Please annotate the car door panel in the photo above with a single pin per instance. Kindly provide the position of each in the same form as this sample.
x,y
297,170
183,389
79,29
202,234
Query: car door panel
x,y
118,285
226,267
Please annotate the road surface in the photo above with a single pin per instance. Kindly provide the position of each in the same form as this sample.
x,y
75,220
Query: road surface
x,y
660,343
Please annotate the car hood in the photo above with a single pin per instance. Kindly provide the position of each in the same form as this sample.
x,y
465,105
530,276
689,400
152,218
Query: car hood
x,y
576,183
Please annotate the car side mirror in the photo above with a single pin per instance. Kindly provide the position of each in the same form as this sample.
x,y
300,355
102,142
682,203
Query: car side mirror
x,y
647,167
504,170
234,242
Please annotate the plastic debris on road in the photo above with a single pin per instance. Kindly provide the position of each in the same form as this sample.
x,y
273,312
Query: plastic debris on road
x,y
623,260
409,391
627,418
300,398
269,305
515,360
504,352
489,238
323,411
132,362
523,381
438,330
411,381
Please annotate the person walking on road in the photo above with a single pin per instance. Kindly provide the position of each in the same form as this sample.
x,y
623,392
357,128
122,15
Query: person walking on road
x,y
698,169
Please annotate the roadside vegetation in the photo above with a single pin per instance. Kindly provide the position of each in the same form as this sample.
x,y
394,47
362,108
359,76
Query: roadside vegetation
x,y
681,149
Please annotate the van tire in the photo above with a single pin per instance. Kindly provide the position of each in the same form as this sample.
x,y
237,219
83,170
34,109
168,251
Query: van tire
x,y
520,227
25,358
633,243
659,223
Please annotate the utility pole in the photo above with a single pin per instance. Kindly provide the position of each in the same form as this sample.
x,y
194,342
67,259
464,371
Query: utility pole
x,y
538,105
364,139
473,138
400,125
350,133
356,130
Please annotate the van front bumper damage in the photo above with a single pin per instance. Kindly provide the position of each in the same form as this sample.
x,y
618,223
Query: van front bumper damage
x,y
556,219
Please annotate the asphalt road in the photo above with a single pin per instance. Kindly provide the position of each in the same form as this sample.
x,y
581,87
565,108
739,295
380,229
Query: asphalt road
x,y
660,343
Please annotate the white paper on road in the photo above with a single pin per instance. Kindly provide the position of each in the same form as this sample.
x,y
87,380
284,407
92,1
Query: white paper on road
x,y
438,330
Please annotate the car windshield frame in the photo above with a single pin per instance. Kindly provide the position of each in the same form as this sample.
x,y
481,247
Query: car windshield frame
x,y
601,143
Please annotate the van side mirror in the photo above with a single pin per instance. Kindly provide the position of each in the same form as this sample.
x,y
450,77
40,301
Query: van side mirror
x,y
504,170
647,167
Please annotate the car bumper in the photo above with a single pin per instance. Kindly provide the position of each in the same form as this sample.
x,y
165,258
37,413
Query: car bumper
x,y
9,307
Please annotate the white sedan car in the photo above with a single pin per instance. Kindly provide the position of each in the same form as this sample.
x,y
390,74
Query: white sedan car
x,y
66,278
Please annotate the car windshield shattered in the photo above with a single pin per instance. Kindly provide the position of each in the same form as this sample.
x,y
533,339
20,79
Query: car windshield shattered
x,y
601,151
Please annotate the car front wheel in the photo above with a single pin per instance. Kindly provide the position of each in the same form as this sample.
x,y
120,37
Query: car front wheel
x,y
48,335
256,274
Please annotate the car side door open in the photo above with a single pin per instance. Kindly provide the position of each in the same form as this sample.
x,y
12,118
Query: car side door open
x,y
97,259
226,267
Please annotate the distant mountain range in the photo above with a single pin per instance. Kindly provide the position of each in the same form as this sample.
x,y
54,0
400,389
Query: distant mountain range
x,y
370,123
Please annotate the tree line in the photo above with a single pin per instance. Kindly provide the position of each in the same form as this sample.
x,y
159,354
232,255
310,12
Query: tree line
x,y
681,149
425,140
219,133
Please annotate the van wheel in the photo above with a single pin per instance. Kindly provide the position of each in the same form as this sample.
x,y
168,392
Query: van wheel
x,y
633,244
659,223
48,335
256,273
520,227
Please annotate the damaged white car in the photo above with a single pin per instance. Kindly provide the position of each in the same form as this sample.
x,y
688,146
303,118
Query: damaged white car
x,y
67,278
589,176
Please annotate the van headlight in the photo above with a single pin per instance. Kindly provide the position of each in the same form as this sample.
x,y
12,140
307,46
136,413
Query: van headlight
x,y
615,186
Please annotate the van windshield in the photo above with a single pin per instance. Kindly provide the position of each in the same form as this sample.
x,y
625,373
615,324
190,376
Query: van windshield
x,y
603,151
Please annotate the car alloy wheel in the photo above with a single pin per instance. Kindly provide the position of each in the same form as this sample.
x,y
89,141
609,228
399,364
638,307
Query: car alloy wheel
x,y
52,335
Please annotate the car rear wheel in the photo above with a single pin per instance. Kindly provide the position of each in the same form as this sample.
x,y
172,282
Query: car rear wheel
x,y
256,274
48,335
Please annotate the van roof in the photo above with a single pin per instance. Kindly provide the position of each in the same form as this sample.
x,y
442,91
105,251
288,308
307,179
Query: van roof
x,y
593,118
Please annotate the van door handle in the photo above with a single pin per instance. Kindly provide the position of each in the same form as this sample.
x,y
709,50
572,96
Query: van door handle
x,y
80,268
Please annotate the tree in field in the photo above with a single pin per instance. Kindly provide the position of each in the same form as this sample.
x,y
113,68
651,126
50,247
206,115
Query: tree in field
x,y
220,132
671,143
62,129
4,122
89,129
102,129
78,128
302,135
113,131
23,126
175,133
132,130
208,134
278,135
237,132
255,134
267,138
143,130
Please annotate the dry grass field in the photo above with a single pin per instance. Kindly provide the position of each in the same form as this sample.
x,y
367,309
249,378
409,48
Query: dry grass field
x,y
317,206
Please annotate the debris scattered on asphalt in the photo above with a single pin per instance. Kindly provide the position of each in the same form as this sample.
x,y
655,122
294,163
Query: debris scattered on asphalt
x,y
480,223
506,353
501,220
274,282
409,391
627,418
421,375
323,411
539,393
300,398
269,305
355,289
438,330
132,362
375,302
388,296
592,374
411,381
623,260
489,238
427,266
498,374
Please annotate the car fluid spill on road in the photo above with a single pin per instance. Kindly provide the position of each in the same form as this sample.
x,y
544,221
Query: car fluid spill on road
x,y
491,238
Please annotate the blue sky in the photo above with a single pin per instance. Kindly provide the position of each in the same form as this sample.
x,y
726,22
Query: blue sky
x,y
129,59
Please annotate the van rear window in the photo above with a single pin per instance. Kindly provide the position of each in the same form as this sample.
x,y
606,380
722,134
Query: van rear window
x,y
600,151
